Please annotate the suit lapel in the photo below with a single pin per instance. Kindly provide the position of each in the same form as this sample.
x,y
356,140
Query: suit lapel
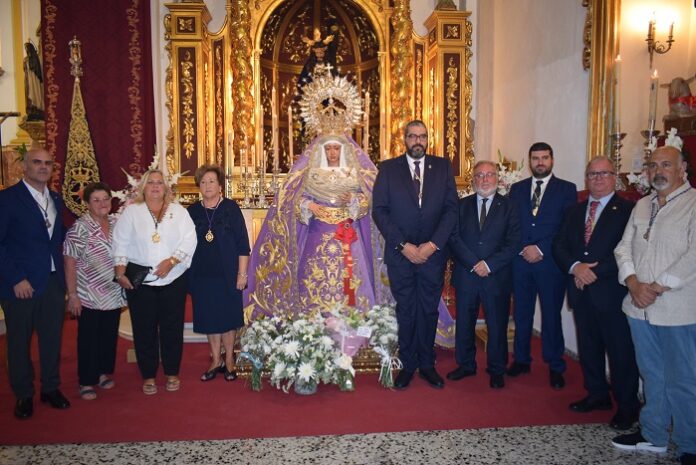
x,y
605,218
32,207
548,194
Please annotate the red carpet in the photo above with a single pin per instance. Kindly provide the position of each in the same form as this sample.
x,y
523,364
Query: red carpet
x,y
222,410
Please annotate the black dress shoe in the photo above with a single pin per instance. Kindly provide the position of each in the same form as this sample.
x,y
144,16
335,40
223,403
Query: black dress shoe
x,y
556,380
210,374
517,369
459,373
432,377
624,419
497,382
56,399
24,408
688,459
403,379
589,404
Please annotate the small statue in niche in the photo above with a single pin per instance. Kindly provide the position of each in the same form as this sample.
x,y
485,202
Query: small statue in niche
x,y
681,102
33,83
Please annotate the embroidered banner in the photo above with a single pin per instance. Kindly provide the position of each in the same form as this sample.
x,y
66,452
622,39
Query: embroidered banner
x,y
117,82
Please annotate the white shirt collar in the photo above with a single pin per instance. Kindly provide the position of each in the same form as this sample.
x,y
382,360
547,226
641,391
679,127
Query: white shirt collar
x,y
33,191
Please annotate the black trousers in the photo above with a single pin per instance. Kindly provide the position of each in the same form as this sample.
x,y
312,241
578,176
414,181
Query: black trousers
x,y
157,314
97,335
417,290
605,330
44,314
497,311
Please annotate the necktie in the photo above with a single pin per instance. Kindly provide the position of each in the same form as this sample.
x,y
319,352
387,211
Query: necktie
x,y
589,224
417,178
482,217
536,197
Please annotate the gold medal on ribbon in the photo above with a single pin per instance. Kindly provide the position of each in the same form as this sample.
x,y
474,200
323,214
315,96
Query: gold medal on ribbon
x,y
156,237
209,236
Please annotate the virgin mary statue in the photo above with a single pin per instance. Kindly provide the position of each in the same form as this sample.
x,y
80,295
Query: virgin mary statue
x,y
318,248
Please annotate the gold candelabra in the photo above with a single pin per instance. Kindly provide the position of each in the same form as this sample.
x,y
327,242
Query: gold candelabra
x,y
655,46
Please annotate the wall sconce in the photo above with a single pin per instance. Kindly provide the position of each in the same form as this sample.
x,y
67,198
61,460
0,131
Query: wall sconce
x,y
653,45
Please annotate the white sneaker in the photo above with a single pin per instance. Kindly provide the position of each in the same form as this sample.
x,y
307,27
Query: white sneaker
x,y
636,441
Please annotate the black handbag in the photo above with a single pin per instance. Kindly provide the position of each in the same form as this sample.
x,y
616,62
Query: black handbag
x,y
136,274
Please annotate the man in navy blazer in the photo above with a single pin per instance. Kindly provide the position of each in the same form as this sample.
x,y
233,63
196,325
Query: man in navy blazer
x,y
32,282
415,208
541,202
584,250
484,244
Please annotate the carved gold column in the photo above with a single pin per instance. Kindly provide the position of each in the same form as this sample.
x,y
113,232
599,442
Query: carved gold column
x,y
448,89
186,87
401,68
242,77
601,48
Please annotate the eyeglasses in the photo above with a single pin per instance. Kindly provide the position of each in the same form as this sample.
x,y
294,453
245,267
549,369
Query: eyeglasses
x,y
599,174
415,137
489,174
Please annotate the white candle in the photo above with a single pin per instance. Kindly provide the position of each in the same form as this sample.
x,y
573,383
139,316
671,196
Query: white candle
x,y
617,95
366,124
290,135
654,85
274,128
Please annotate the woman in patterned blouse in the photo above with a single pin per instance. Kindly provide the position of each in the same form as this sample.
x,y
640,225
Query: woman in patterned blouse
x,y
93,297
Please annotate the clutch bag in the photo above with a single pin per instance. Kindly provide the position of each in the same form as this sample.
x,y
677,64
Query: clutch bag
x,y
136,274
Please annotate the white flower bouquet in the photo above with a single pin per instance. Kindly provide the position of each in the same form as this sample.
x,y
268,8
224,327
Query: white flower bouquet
x,y
384,340
257,343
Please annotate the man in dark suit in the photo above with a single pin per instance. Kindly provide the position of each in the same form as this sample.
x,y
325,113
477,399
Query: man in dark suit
x,y
541,202
584,249
415,208
484,244
32,282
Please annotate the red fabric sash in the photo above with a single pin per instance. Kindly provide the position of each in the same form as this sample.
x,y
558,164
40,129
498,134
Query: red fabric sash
x,y
688,100
347,235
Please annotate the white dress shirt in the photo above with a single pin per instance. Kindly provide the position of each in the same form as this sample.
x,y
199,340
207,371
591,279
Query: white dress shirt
x,y
412,167
133,240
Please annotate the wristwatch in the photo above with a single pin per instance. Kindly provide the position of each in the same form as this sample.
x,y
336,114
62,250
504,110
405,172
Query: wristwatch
x,y
401,246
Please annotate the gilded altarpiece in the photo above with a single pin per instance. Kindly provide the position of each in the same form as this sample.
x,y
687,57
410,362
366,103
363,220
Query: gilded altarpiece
x,y
219,85
448,90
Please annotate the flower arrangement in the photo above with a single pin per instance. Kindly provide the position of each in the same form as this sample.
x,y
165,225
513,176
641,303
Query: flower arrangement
x,y
297,352
312,350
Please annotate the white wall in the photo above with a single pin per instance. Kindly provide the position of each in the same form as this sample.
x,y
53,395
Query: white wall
x,y
532,88
680,61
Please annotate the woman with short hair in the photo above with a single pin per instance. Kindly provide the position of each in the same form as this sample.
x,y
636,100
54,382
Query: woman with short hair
x,y
218,270
93,297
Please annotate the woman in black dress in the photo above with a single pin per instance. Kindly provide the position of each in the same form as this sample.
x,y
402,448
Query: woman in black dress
x,y
219,270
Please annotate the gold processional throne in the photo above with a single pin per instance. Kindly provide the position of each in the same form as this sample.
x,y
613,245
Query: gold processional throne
x,y
229,93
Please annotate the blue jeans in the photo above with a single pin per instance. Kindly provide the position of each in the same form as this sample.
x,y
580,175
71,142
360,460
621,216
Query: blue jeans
x,y
666,357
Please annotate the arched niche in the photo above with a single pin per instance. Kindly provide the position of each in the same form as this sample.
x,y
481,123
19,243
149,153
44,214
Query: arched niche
x,y
280,55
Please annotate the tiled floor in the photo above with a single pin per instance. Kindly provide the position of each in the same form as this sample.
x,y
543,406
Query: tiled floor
x,y
557,445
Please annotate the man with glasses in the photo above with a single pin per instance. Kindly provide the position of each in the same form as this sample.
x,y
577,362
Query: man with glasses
x,y
32,281
484,244
657,262
414,205
541,202
584,249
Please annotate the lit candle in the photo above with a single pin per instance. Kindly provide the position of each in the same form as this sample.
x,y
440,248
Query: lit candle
x,y
290,136
274,129
617,95
366,124
654,85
